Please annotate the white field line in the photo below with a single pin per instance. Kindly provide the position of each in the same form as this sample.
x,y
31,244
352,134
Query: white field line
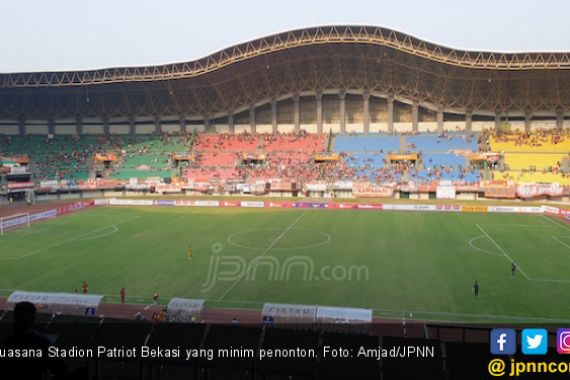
x,y
561,242
558,224
517,225
252,265
114,227
481,249
25,235
75,238
503,251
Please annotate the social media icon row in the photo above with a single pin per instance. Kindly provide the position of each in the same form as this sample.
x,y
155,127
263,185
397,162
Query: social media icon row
x,y
533,341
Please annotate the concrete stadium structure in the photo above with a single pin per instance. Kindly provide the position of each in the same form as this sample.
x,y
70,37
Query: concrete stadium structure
x,y
340,78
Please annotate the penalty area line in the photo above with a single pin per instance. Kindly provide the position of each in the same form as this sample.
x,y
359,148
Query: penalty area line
x,y
72,239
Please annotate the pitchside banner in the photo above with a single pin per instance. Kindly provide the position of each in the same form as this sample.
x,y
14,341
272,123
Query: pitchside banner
x,y
131,202
279,204
516,210
366,206
308,205
74,207
43,215
474,208
550,210
199,203
305,205
252,204
230,204
404,207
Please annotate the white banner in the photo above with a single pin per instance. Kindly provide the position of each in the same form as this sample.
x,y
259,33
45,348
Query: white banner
x,y
342,185
131,202
515,209
198,203
445,192
284,313
316,187
252,204
65,303
550,209
409,207
50,184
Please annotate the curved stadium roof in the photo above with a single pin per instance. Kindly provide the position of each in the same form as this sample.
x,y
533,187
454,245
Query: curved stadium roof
x,y
372,59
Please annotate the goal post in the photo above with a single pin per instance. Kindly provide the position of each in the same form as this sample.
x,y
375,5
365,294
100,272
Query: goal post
x,y
14,221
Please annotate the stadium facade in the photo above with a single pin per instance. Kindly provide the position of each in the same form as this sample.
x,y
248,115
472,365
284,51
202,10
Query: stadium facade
x,y
340,78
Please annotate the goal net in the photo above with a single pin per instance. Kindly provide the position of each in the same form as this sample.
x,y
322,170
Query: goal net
x,y
14,221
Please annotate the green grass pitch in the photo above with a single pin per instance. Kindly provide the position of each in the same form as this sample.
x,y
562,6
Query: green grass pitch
x,y
400,264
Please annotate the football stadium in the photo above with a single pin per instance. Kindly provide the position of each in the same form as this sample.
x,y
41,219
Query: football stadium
x,y
338,175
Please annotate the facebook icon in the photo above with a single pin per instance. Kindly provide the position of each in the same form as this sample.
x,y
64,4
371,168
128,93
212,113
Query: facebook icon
x,y
503,342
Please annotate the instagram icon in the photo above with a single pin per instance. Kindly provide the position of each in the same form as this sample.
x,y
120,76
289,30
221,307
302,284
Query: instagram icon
x,y
563,341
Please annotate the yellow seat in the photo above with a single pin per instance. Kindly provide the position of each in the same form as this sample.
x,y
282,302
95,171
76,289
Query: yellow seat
x,y
518,177
518,161
546,146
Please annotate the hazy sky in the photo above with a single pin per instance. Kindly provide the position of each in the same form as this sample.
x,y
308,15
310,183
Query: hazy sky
x,y
43,35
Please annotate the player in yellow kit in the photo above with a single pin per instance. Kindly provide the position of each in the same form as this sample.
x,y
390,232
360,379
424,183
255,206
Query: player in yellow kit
x,y
189,252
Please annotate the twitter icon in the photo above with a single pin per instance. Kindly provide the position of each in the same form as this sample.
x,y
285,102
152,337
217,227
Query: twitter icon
x,y
534,341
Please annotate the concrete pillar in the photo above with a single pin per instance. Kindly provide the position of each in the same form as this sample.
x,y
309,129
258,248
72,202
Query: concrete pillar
x,y
78,124
157,130
132,125
440,120
22,125
274,116
559,118
497,118
319,97
342,96
296,113
366,111
51,125
415,115
390,113
527,120
252,119
106,126
207,124
182,122
231,124
469,120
